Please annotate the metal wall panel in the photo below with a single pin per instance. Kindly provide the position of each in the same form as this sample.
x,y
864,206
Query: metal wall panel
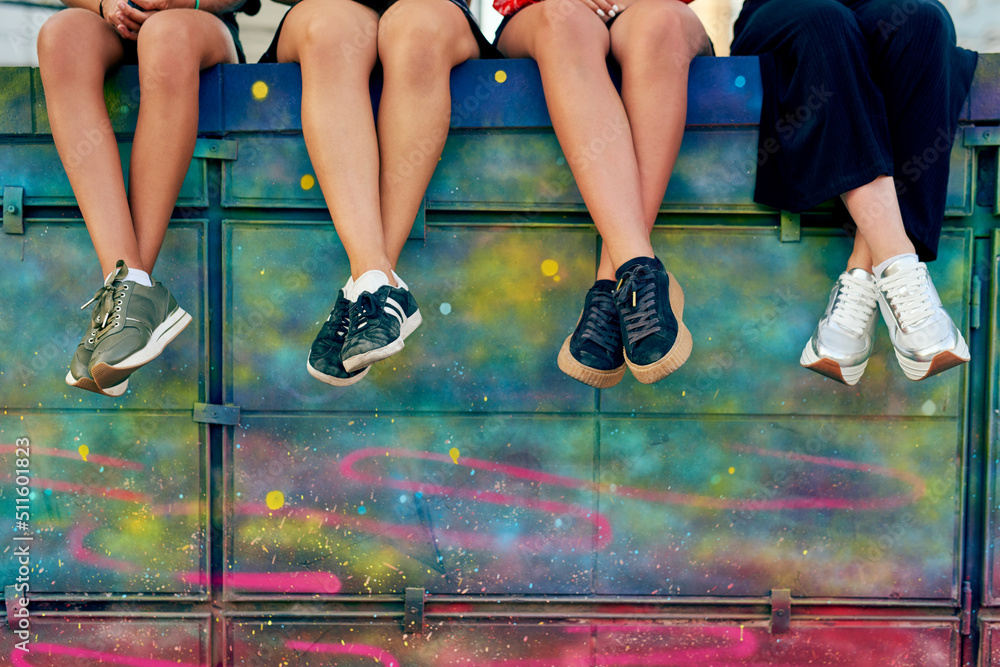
x,y
265,642
118,502
139,640
38,349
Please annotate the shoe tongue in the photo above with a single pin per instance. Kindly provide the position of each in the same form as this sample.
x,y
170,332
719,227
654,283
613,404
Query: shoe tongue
x,y
901,264
861,274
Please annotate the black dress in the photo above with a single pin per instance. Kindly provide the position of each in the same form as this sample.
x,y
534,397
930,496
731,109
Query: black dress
x,y
856,89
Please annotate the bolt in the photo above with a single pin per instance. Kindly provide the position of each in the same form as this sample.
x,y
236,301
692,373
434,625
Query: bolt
x,y
12,209
213,148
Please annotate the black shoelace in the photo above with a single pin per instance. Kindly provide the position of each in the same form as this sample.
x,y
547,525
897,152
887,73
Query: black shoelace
x,y
367,307
637,292
335,328
601,325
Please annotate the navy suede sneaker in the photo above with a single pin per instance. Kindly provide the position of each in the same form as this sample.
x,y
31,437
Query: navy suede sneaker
x,y
593,353
324,361
379,323
650,305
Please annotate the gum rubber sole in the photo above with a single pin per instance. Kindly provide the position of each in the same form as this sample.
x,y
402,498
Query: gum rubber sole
x,y
88,384
678,354
849,375
590,376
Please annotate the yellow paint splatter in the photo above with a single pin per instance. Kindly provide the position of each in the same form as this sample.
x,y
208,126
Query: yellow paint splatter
x,y
550,267
275,499
453,453
259,90
500,76
307,182
84,451
805,551
731,470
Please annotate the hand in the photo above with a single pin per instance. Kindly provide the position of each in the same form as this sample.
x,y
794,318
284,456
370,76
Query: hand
x,y
605,9
128,18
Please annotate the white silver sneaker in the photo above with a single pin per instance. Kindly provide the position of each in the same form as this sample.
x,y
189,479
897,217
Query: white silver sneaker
x,y
924,335
842,342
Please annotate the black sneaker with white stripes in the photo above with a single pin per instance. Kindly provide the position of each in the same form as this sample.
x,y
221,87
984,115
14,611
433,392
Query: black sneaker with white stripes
x,y
378,324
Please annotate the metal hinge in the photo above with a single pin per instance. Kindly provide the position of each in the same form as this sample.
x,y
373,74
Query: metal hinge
x,y
791,227
781,611
10,601
13,210
413,611
206,413
216,149
965,616
980,136
975,303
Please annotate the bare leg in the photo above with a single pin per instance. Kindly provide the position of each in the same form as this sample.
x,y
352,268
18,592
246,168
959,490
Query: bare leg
x,y
75,50
861,256
335,42
570,44
654,42
174,46
875,209
419,42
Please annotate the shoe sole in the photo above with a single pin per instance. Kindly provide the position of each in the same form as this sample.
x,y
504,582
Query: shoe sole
x,y
368,358
849,375
112,374
594,377
333,380
88,384
678,354
942,361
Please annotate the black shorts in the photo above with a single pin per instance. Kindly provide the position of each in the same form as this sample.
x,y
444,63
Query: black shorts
x,y
486,50
132,55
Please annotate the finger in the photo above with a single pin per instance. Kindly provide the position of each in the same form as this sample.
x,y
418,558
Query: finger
x,y
594,7
606,8
129,24
126,33
137,16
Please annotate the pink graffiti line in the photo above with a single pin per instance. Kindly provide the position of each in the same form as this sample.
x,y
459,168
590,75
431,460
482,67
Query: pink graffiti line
x,y
378,655
19,658
916,484
305,581
465,539
68,454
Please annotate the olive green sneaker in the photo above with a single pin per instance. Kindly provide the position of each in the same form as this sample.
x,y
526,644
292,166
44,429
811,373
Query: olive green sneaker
x,y
79,368
136,324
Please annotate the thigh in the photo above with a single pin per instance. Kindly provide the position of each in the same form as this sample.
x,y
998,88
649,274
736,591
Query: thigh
x,y
332,22
79,37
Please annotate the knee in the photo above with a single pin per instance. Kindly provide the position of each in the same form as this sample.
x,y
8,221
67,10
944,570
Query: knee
x,y
165,42
60,47
169,59
924,24
569,29
414,41
669,31
331,38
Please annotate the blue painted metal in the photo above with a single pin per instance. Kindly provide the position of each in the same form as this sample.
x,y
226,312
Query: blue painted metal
x,y
693,498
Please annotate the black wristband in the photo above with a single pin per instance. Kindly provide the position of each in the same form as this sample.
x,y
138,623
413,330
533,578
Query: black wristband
x,y
100,8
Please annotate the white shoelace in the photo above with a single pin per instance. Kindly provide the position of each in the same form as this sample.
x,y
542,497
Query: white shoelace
x,y
855,305
909,295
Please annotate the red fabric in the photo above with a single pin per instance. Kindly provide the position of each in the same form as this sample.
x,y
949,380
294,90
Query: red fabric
x,y
508,7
